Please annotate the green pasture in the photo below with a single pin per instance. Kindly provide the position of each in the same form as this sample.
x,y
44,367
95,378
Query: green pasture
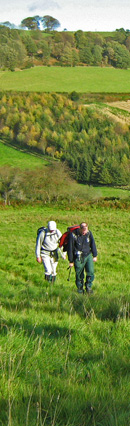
x,y
14,157
113,192
67,79
65,357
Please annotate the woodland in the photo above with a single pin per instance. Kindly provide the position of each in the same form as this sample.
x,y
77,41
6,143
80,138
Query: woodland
x,y
94,147
30,46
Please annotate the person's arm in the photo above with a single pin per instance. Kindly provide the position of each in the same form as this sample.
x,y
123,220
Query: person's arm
x,y
39,242
71,250
62,254
60,250
93,247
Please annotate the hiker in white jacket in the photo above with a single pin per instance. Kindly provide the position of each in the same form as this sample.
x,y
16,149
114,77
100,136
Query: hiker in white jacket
x,y
47,249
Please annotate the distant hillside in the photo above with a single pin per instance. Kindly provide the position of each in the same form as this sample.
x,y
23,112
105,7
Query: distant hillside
x,y
93,140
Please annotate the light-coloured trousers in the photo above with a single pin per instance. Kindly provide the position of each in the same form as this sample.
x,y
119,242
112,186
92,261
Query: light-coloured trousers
x,y
49,264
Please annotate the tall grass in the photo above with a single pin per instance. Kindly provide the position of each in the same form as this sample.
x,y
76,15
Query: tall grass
x,y
67,79
64,357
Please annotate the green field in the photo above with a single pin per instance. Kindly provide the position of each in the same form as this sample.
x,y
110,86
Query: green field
x,y
17,158
63,79
65,358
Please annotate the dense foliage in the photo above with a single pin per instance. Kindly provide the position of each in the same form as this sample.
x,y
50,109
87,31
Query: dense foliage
x,y
48,185
94,147
20,48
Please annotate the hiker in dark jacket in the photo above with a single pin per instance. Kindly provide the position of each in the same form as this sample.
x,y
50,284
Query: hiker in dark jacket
x,y
82,253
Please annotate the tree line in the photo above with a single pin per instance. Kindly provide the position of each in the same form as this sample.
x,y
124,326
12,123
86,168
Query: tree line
x,y
23,49
37,22
95,148
52,184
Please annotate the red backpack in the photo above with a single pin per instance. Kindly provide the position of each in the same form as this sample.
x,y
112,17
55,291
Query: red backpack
x,y
64,238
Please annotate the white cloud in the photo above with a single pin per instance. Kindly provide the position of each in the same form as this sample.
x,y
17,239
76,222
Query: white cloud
x,y
43,5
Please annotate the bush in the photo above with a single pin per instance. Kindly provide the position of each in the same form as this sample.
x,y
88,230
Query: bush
x,y
74,96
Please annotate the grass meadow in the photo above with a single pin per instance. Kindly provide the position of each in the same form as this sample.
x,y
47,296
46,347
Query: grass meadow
x,y
14,157
64,357
67,79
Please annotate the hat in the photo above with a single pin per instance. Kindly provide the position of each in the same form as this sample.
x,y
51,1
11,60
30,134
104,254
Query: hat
x,y
52,225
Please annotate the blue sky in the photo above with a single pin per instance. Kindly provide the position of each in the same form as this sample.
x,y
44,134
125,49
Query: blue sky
x,y
85,15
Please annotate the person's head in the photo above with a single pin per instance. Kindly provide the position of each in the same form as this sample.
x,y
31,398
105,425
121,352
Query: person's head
x,y
83,228
52,226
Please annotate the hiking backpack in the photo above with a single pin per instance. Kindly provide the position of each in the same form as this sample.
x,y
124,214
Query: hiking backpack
x,y
41,229
65,237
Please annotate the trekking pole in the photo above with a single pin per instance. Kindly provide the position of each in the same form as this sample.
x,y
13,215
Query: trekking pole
x,y
69,273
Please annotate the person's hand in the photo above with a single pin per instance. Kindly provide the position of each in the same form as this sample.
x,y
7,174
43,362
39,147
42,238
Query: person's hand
x,y
64,256
94,259
71,264
39,260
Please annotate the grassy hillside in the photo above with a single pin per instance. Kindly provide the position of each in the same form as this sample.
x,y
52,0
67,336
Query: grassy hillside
x,y
64,357
67,79
14,157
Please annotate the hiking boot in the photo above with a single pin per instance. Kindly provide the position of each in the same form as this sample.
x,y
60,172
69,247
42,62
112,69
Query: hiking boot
x,y
48,277
80,290
89,290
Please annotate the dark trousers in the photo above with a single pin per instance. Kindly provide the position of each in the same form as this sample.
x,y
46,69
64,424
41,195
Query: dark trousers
x,y
85,264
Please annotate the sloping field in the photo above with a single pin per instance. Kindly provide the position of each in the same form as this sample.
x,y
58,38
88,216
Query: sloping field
x,y
63,79
122,110
125,105
14,157
118,111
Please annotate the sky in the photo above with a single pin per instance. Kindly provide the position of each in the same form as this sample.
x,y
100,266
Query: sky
x,y
73,15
